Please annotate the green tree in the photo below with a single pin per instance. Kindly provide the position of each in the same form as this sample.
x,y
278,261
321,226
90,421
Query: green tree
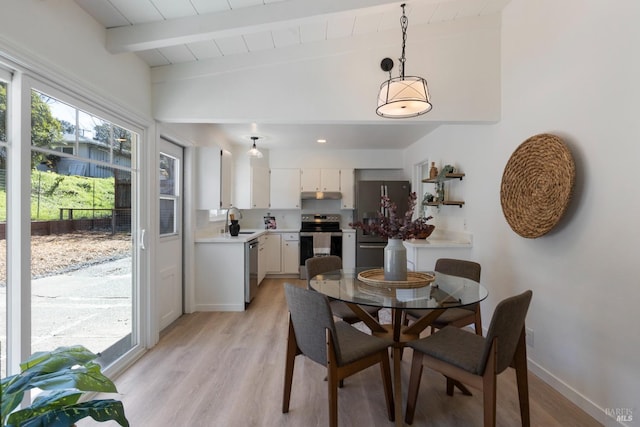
x,y
45,129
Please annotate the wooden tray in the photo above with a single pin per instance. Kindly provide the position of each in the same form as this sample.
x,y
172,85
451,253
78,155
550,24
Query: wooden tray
x,y
414,279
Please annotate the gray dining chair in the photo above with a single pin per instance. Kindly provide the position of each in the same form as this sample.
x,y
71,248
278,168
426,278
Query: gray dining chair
x,y
458,316
476,361
323,264
340,347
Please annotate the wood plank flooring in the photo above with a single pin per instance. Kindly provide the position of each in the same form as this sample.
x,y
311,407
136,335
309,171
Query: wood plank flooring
x,y
226,369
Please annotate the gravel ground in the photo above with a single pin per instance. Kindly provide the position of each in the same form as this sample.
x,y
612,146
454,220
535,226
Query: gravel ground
x,y
60,253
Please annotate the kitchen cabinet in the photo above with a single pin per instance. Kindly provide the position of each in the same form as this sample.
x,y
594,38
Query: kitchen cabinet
x,y
440,190
262,258
285,189
219,276
349,251
320,180
347,188
213,178
252,186
272,249
290,253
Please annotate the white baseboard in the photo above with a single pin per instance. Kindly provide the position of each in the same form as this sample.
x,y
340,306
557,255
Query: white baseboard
x,y
574,396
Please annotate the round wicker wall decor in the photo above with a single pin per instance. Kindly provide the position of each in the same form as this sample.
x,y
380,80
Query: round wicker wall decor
x,y
537,184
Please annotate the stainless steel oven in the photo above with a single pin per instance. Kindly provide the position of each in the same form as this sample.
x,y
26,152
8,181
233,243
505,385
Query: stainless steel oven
x,y
320,235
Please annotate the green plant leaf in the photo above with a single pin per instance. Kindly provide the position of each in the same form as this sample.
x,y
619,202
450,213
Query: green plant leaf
x,y
99,410
85,378
62,357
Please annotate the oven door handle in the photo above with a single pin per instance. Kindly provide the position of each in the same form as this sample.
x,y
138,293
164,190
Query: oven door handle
x,y
371,247
311,233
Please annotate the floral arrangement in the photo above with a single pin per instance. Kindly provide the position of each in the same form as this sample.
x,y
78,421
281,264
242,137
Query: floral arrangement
x,y
394,227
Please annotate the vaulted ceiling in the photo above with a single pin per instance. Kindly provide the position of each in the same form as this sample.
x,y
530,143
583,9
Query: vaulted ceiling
x,y
188,36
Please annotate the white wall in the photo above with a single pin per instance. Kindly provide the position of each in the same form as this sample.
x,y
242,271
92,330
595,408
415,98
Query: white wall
x,y
568,68
460,60
61,38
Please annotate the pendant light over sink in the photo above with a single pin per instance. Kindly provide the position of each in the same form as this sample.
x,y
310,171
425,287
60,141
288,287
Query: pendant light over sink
x,y
402,97
254,152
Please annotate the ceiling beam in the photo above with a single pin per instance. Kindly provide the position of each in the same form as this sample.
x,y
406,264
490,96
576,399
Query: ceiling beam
x,y
278,15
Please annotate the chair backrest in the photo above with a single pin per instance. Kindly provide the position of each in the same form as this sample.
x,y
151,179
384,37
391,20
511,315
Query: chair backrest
x,y
459,268
506,325
311,317
321,264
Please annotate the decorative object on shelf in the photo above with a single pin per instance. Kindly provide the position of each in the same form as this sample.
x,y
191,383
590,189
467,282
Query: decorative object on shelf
x,y
65,375
433,172
234,227
446,169
537,184
402,97
396,229
270,222
254,152
428,198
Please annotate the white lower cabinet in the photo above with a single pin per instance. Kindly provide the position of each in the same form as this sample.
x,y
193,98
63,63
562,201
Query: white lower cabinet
x,y
273,253
282,252
262,258
349,251
290,253
219,276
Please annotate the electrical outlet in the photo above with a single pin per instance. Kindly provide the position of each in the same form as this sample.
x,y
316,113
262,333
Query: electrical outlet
x,y
529,335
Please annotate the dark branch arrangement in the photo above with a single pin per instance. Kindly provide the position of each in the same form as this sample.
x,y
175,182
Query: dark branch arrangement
x,y
393,226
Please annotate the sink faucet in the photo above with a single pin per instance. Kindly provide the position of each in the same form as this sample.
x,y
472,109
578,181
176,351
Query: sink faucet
x,y
226,222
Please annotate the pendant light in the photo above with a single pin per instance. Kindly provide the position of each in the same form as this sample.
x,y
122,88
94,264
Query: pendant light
x,y
254,152
404,96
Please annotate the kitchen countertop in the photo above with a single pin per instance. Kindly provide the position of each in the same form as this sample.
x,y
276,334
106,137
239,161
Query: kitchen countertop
x,y
245,235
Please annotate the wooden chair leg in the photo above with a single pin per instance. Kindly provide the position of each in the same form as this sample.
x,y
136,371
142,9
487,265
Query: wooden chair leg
x,y
450,385
478,322
489,387
520,364
414,386
292,351
385,371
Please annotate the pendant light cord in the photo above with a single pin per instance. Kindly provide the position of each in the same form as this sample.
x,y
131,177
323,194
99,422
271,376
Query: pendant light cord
x,y
404,23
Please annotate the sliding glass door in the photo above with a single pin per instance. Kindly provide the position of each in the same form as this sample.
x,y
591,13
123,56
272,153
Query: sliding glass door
x,y
82,252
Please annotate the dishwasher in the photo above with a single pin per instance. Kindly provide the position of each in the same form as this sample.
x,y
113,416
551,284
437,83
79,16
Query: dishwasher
x,y
250,270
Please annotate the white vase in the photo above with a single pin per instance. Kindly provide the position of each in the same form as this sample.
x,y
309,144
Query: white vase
x,y
395,260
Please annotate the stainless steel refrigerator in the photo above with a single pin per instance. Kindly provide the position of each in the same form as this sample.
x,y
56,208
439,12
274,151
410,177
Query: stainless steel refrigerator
x,y
370,246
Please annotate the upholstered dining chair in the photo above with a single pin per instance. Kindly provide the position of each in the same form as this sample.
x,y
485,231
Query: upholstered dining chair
x,y
340,347
476,361
462,316
322,264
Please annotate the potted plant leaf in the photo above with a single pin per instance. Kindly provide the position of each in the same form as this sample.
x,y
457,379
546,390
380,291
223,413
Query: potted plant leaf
x,y
64,375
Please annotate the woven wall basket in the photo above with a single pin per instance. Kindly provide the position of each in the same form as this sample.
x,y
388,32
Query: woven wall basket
x,y
537,184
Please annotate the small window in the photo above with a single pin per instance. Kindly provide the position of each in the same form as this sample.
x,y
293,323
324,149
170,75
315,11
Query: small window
x,y
67,150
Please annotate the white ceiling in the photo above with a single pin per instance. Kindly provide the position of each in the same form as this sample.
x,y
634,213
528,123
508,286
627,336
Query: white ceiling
x,y
168,34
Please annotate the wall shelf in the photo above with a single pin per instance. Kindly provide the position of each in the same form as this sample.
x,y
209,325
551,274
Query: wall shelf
x,y
446,178
439,183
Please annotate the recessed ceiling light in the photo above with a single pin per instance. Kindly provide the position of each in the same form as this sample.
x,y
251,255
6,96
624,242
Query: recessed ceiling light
x,y
322,141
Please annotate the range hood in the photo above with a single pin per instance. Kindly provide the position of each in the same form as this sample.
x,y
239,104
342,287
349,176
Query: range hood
x,y
321,195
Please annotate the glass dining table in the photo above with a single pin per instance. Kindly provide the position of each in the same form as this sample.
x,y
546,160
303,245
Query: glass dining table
x,y
435,297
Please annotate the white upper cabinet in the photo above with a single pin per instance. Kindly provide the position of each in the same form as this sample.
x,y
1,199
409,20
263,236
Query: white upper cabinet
x,y
213,178
226,178
251,184
320,180
347,188
285,189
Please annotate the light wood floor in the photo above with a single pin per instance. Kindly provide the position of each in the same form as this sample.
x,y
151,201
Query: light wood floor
x,y
226,369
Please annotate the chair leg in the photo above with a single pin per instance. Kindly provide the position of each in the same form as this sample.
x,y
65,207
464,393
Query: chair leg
x,y
520,364
332,380
489,387
414,386
478,322
292,350
385,371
